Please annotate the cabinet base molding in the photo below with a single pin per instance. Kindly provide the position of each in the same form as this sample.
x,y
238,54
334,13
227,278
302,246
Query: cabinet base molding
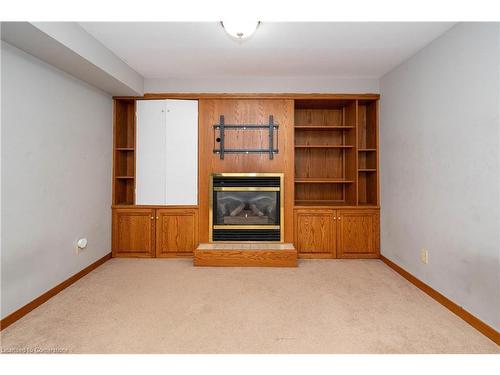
x,y
478,324
245,255
18,314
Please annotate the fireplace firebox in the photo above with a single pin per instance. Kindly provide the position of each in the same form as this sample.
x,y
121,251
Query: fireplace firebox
x,y
246,207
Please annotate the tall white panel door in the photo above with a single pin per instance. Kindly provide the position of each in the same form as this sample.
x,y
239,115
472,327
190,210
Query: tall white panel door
x,y
151,135
182,152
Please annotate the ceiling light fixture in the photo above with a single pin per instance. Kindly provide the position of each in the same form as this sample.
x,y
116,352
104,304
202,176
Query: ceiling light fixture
x,y
240,29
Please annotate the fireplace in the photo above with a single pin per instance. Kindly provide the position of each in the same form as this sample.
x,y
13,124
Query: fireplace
x,y
246,207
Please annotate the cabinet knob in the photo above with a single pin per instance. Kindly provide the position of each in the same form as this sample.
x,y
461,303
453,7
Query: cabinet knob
x,y
152,217
334,218
157,217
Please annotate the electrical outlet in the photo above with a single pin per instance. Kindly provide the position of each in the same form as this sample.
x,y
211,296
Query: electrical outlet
x,y
424,256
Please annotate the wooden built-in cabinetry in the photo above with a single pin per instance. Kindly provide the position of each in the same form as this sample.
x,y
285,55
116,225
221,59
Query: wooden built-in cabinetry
x,y
315,232
155,172
154,232
246,111
124,152
336,211
176,231
328,153
358,233
336,152
367,147
133,232
332,233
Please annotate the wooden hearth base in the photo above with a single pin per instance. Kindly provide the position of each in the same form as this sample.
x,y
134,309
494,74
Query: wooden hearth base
x,y
246,255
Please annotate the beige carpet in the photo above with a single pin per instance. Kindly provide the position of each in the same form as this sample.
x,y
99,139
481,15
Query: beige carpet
x,y
168,306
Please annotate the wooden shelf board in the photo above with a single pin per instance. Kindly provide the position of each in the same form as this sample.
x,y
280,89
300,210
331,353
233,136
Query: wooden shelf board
x,y
314,180
367,170
367,149
319,127
124,177
323,146
125,149
308,203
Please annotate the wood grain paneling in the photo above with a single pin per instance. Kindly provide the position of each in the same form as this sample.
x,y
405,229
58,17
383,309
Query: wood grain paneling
x,y
319,162
315,231
133,232
176,231
246,111
357,232
323,117
319,192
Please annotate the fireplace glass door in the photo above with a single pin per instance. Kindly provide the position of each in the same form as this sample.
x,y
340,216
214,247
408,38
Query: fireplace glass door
x,y
246,207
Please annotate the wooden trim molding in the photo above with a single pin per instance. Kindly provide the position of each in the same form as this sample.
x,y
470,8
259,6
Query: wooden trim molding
x,y
18,314
154,206
195,96
478,324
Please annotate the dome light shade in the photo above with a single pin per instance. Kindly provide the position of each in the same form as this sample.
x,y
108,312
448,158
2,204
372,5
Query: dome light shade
x,y
240,29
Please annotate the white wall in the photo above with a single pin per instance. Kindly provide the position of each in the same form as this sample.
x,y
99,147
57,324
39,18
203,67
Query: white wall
x,y
67,46
263,84
440,174
56,176
76,38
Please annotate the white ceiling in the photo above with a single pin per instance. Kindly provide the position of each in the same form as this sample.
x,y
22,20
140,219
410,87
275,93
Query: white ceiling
x,y
202,49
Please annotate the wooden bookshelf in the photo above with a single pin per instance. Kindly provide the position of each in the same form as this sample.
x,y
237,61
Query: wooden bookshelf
x,y
325,152
368,158
124,152
336,153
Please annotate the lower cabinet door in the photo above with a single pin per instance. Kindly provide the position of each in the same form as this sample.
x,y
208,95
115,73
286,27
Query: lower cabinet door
x,y
358,233
176,231
315,234
133,232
